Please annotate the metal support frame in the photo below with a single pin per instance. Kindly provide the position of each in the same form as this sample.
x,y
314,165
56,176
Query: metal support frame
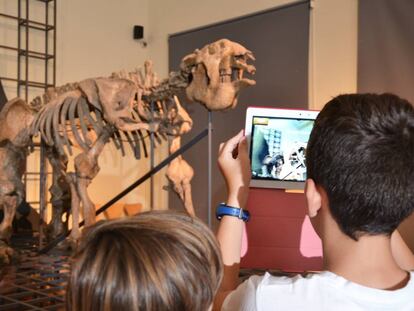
x,y
35,282
152,161
42,194
25,23
209,167
25,26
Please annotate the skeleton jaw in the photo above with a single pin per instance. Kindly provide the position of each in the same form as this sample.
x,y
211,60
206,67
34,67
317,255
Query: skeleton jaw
x,y
235,77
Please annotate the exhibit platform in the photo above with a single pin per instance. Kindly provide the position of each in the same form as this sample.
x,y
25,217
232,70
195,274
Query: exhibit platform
x,y
32,281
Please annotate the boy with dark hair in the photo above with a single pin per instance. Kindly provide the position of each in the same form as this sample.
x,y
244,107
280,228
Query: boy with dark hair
x,y
360,187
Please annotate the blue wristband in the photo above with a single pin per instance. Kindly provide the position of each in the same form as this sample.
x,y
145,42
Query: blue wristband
x,y
225,210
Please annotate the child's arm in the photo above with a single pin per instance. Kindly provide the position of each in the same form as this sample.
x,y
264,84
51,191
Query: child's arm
x,y
235,166
402,254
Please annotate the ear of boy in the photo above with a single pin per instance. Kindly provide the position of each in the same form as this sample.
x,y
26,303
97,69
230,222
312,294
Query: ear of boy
x,y
313,198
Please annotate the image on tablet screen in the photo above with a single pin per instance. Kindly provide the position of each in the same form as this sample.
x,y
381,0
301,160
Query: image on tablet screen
x,y
278,148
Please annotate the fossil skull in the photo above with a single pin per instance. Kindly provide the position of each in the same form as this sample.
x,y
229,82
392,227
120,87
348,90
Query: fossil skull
x,y
216,73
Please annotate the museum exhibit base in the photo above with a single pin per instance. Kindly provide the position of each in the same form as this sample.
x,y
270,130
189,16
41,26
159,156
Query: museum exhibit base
x,y
38,282
33,281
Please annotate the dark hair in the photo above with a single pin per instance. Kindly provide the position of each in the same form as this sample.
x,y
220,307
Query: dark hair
x,y
361,151
159,260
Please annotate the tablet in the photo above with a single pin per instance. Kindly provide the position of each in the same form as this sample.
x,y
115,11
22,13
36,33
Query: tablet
x,y
277,140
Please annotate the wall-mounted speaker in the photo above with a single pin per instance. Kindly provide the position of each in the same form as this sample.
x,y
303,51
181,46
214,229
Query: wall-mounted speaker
x,y
138,32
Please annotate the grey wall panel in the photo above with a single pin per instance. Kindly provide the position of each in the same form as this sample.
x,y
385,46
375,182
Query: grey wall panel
x,y
386,58
386,47
279,40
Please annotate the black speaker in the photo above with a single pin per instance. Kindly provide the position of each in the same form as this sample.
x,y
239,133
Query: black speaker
x,y
138,32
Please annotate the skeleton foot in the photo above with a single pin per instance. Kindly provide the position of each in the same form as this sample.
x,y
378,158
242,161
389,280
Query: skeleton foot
x,y
71,243
6,253
55,230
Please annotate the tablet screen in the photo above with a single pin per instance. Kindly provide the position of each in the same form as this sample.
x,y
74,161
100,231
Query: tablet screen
x,y
278,148
277,145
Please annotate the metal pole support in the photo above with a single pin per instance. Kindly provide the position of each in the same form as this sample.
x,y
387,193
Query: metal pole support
x,y
209,167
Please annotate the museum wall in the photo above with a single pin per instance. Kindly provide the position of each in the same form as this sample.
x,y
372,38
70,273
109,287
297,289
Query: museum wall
x,y
95,39
385,49
333,43
333,39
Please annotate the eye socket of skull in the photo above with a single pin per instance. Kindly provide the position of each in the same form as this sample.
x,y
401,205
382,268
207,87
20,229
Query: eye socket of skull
x,y
201,74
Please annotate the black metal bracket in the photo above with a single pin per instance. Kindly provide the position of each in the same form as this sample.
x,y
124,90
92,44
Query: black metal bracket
x,y
123,193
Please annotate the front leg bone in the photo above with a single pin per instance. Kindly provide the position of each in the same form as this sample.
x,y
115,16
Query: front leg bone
x,y
75,207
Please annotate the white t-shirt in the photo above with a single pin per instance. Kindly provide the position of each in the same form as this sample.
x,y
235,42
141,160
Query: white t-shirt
x,y
322,291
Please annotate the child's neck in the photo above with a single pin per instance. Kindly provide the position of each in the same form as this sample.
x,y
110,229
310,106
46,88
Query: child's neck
x,y
368,261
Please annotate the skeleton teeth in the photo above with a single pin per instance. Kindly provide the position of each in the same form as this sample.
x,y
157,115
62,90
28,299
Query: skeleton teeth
x,y
240,74
225,76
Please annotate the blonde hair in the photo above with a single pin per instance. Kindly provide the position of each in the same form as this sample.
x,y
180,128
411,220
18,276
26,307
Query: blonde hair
x,y
159,260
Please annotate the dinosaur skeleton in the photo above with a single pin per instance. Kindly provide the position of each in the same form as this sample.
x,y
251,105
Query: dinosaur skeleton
x,y
122,108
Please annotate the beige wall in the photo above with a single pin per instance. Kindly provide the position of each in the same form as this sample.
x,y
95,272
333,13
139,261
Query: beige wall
x,y
95,39
333,50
